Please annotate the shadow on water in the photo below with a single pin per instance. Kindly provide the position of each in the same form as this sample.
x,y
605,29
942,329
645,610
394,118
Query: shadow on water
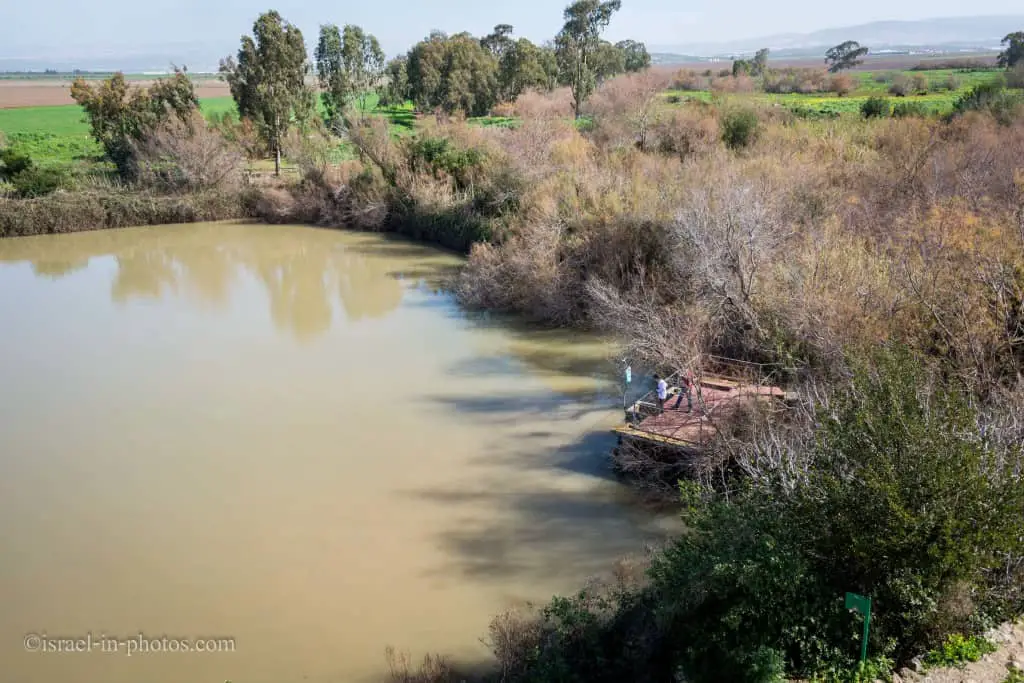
x,y
570,517
542,533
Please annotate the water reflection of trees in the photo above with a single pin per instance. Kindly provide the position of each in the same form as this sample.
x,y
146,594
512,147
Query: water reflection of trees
x,y
305,272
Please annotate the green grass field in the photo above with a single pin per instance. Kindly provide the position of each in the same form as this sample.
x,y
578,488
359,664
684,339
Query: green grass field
x,y
870,82
939,100
60,135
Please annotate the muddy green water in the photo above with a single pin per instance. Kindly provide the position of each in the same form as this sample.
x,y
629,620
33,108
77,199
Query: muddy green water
x,y
286,436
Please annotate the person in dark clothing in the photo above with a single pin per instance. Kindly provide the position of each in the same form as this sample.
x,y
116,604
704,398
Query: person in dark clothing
x,y
685,388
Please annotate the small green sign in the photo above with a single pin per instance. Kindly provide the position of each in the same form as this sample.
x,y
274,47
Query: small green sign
x,y
861,604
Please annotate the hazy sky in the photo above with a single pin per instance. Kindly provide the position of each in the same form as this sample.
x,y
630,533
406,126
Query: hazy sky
x,y
33,28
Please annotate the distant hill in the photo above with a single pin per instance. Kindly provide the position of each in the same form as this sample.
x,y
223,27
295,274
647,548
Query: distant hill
x,y
943,35
198,57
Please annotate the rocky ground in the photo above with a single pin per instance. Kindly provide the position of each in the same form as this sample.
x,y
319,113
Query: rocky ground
x,y
992,668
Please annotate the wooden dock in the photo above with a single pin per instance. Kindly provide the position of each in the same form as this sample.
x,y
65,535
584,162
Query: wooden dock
x,y
714,399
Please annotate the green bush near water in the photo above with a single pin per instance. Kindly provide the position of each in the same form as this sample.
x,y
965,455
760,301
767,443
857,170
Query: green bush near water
x,y
27,179
899,502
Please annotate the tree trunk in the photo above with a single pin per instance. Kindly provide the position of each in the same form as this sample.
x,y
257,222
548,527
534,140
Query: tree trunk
x,y
277,146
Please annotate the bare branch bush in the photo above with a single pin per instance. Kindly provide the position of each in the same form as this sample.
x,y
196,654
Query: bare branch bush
x,y
544,105
433,668
187,156
626,107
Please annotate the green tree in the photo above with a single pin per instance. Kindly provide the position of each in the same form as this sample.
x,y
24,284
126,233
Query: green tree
x,y
499,42
741,67
331,71
121,116
759,63
395,89
524,66
268,80
470,77
635,54
844,56
607,62
577,42
350,65
1014,52
452,74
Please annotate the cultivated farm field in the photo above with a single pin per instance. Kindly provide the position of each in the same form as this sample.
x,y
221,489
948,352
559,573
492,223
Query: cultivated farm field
x,y
17,92
38,116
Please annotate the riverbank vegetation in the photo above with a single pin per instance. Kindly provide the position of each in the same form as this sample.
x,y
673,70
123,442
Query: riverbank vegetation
x,y
871,251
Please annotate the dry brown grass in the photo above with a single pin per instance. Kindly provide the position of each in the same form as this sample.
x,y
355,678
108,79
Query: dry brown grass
x,y
533,105
433,668
911,228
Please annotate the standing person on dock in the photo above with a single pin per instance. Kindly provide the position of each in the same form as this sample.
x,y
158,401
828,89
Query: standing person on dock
x,y
662,393
685,387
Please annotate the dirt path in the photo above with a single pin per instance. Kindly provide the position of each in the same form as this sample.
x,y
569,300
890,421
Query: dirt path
x,y
992,668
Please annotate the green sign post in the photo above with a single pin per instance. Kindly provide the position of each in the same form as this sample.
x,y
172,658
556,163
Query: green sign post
x,y
862,604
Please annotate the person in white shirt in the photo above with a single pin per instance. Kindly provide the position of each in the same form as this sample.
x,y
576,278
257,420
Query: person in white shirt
x,y
662,392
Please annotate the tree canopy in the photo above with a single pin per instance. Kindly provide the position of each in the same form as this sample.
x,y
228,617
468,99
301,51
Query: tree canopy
x,y
268,79
524,66
635,55
350,65
1013,54
577,43
120,116
844,56
395,88
452,74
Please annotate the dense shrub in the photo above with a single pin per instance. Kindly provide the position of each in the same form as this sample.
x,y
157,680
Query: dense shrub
x,y
891,495
26,179
439,157
1015,77
966,64
739,128
13,162
36,181
689,80
688,132
904,109
875,107
797,81
841,84
733,84
992,97
952,83
901,86
957,650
